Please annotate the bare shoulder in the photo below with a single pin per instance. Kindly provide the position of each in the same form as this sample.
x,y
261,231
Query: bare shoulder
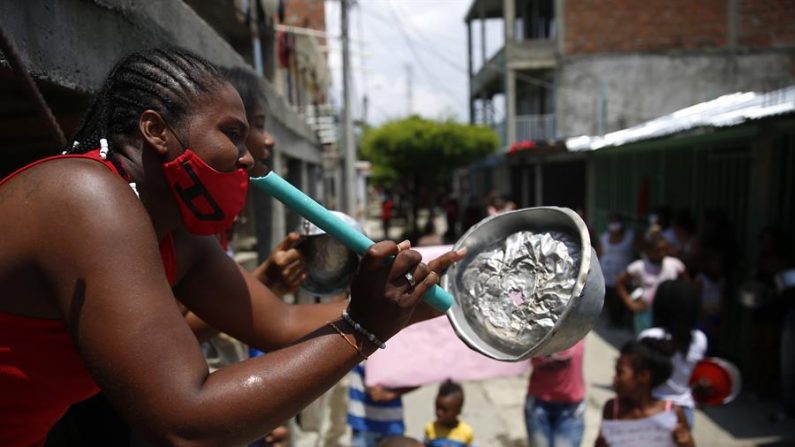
x,y
89,181
61,185
48,203
85,201
71,202
68,219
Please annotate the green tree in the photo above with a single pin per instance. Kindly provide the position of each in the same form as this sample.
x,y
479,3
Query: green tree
x,y
422,154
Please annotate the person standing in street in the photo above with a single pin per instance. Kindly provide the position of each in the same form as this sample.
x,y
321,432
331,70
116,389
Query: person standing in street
x,y
448,430
374,412
647,273
555,406
675,314
635,417
615,254
386,214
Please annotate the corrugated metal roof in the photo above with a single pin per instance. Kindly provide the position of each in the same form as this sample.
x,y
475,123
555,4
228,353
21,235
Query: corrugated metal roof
x,y
727,110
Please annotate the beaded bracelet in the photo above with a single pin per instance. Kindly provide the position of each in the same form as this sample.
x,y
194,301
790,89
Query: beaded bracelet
x,y
353,345
367,334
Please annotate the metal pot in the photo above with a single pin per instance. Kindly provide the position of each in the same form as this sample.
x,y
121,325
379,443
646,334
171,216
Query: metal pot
x,y
574,318
329,264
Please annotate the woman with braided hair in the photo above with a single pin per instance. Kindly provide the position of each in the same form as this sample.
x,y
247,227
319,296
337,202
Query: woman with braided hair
x,y
103,240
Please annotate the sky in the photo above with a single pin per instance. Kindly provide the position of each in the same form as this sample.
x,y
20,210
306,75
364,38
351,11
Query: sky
x,y
387,36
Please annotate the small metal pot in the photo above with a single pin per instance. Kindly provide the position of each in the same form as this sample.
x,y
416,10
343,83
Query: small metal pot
x,y
329,264
579,313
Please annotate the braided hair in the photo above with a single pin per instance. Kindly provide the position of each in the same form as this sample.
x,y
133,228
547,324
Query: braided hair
x,y
248,88
448,387
164,80
650,354
676,309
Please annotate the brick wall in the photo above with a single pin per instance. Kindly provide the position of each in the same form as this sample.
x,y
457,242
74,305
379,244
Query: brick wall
x,y
625,26
766,23
599,26
305,14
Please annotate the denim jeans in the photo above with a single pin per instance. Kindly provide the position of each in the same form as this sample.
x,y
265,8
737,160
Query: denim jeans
x,y
554,424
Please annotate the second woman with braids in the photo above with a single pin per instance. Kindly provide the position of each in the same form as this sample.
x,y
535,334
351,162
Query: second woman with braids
x,y
98,247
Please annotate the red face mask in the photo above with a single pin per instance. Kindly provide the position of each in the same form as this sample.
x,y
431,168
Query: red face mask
x,y
208,200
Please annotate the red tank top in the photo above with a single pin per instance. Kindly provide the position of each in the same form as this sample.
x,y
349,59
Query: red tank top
x,y
41,371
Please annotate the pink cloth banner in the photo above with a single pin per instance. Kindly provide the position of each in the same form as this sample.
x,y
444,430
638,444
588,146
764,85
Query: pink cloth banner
x,y
431,352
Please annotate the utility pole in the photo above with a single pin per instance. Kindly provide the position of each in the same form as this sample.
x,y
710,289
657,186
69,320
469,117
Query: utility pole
x,y
348,145
365,104
256,46
409,99
365,99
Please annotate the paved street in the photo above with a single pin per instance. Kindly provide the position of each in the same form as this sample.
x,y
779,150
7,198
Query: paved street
x,y
494,407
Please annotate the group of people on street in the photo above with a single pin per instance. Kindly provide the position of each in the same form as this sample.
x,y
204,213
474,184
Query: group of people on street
x,y
651,381
669,248
652,374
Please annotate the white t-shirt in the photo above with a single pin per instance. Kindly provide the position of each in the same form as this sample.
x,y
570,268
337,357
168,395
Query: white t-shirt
x,y
649,275
677,388
615,257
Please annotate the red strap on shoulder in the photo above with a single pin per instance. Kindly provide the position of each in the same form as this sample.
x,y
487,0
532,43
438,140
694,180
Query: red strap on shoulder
x,y
168,253
92,155
167,248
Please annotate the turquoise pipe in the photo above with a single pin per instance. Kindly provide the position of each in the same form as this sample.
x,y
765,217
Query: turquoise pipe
x,y
314,212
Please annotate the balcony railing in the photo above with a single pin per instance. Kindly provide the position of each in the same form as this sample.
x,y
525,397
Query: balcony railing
x,y
499,128
535,127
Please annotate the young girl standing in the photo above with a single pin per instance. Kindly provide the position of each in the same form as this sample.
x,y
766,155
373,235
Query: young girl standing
x,y
676,310
635,417
648,273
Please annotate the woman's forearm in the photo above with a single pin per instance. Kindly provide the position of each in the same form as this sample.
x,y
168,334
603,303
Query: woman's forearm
x,y
242,402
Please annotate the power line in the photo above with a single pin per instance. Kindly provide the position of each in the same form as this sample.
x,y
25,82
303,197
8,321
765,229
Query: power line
x,y
414,52
424,38
523,77
363,71
382,112
431,49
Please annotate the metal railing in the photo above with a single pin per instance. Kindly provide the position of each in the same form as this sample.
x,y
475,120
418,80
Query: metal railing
x,y
499,129
535,127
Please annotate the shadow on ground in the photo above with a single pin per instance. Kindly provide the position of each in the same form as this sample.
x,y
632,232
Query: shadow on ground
x,y
506,441
748,418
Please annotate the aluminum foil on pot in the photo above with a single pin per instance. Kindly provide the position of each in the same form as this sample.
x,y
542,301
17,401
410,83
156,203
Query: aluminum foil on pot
x,y
517,290
530,284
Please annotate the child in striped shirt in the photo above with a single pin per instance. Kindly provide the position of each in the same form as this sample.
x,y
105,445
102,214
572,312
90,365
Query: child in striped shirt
x,y
374,412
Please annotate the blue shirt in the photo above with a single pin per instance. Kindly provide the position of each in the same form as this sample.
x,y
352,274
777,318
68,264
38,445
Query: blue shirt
x,y
365,414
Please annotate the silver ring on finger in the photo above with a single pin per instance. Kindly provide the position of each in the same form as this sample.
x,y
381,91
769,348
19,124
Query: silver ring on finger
x,y
410,279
